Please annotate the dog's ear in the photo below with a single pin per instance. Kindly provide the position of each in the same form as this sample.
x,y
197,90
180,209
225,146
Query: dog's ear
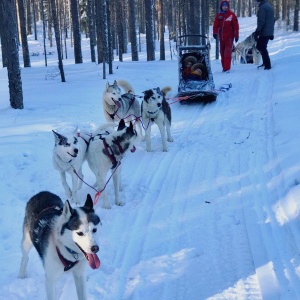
x,y
58,137
121,124
107,85
88,205
131,126
67,210
115,83
158,90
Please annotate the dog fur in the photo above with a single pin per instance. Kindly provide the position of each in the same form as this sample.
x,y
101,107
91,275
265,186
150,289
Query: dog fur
x,y
106,149
69,153
242,48
64,237
156,109
118,106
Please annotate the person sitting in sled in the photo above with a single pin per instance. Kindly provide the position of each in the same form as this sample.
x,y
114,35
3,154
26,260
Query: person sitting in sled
x,y
197,72
226,27
188,62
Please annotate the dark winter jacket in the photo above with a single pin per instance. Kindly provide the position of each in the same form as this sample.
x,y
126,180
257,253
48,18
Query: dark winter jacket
x,y
226,25
265,19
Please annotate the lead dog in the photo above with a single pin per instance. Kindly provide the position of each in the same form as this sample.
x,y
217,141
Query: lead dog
x,y
155,109
69,153
64,237
118,105
107,148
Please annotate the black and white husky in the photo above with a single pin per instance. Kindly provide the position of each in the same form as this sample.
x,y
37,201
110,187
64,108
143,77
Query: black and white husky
x,y
156,109
64,237
106,149
69,153
118,105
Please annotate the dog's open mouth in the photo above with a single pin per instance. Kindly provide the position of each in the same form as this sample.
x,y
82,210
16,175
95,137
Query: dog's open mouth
x,y
92,259
117,103
75,155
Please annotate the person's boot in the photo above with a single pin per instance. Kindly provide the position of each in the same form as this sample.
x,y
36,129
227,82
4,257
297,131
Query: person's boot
x,y
261,66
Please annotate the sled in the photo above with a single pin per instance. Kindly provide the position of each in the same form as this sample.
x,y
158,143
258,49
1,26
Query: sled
x,y
197,84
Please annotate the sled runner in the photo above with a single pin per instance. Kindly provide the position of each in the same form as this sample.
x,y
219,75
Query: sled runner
x,y
196,83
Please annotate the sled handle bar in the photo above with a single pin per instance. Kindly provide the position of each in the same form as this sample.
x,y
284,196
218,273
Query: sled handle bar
x,y
192,35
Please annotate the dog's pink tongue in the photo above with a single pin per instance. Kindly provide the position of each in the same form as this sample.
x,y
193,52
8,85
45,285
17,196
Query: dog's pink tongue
x,y
93,261
133,149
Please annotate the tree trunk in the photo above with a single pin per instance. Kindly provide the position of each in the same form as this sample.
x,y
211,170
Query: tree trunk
x,y
296,16
132,30
10,34
99,30
149,30
76,32
57,38
24,41
91,25
161,26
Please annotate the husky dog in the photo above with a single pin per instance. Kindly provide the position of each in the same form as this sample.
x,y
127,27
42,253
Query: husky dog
x,y
64,237
242,48
155,109
118,106
107,148
69,153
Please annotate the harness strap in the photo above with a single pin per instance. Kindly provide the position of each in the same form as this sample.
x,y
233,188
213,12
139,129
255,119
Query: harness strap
x,y
67,263
86,142
109,153
119,147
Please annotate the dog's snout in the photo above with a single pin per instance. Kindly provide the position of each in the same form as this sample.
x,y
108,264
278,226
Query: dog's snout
x,y
95,249
76,151
159,104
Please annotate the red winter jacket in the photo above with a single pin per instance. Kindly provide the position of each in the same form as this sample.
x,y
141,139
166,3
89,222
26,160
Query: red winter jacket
x,y
226,24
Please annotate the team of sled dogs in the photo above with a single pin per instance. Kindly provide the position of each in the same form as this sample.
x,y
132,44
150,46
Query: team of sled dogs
x,y
65,237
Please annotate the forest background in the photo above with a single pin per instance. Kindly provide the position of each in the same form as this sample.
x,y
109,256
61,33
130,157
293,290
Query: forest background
x,y
110,25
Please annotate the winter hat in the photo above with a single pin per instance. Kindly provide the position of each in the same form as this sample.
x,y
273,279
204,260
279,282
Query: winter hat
x,y
191,59
224,3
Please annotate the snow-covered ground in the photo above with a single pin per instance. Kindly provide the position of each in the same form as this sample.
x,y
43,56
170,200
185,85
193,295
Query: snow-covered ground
x,y
215,217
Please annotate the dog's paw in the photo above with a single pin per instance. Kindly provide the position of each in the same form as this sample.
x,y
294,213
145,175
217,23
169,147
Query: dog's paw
x,y
106,205
170,140
22,275
165,150
120,203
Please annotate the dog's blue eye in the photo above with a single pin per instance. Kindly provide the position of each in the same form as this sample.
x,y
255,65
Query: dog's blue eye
x,y
80,233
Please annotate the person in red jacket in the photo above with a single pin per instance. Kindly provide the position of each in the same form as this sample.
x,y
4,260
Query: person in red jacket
x,y
226,27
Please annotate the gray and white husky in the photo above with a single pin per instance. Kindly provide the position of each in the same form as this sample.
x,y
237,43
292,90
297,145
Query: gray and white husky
x,y
69,153
156,109
242,48
107,148
118,105
64,237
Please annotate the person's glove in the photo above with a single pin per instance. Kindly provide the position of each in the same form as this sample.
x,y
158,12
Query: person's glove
x,y
215,36
256,35
272,37
236,39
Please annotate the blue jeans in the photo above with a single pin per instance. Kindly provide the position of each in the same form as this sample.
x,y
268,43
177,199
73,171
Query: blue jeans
x,y
261,46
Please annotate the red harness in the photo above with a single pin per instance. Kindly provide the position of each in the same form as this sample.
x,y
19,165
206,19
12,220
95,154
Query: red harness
x,y
67,263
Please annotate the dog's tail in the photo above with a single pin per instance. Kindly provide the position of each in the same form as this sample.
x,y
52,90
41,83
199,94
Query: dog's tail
x,y
166,90
126,86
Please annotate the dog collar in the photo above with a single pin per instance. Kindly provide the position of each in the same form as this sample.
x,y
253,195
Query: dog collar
x,y
67,263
